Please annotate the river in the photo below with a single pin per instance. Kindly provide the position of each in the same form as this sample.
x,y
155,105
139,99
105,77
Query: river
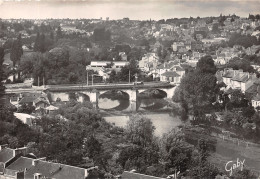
x,y
163,122
156,110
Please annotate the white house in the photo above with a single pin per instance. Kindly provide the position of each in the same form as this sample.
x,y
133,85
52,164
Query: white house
x,y
104,64
149,62
173,74
256,99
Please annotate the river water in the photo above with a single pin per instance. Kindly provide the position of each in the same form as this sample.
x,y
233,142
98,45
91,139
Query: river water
x,y
155,109
152,106
163,122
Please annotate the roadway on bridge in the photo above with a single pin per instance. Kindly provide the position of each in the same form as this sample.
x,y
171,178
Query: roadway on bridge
x,y
76,87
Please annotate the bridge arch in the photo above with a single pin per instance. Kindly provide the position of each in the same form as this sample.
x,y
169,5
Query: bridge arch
x,y
120,99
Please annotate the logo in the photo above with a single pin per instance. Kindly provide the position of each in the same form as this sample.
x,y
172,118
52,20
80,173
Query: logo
x,y
232,165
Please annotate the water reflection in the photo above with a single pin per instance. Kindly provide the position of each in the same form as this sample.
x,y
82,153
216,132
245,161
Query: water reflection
x,y
118,100
163,122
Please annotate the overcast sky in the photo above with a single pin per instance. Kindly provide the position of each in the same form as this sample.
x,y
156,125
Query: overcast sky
x,y
117,9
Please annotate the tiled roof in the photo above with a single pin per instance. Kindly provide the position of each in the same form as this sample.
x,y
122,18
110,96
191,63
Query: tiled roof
x,y
55,170
21,163
170,74
167,65
256,98
240,77
228,74
6,154
27,100
130,175
41,99
178,68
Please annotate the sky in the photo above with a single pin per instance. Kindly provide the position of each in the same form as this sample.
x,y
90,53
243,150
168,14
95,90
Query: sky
x,y
118,9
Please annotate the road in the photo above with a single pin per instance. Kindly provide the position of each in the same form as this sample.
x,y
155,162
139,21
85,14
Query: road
x,y
75,87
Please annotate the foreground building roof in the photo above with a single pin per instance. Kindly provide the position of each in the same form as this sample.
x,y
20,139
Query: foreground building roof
x,y
132,175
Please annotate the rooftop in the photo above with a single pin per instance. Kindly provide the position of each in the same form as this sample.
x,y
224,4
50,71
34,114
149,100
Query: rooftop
x,y
55,170
170,74
20,164
6,154
131,175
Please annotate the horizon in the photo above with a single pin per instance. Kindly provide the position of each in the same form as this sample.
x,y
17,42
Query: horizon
x,y
118,9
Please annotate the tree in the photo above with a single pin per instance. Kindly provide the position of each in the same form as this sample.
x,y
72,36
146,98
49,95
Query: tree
x,y
206,65
101,35
16,52
25,108
59,34
2,88
93,147
198,89
123,75
42,47
215,28
159,51
36,46
140,130
175,151
113,77
248,111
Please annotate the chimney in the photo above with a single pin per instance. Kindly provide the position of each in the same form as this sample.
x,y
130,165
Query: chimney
x,y
86,173
19,175
37,176
43,158
22,151
35,161
3,146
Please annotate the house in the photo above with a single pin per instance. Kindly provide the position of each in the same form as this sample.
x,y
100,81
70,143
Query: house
x,y
18,167
25,118
149,62
38,100
170,76
222,59
7,155
237,79
177,45
41,169
173,74
50,109
41,102
256,99
133,175
104,64
30,168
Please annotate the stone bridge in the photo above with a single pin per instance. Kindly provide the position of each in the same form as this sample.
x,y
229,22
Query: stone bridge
x,y
92,93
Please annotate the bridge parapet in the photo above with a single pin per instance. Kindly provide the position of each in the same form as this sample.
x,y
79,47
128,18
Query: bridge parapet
x,y
59,88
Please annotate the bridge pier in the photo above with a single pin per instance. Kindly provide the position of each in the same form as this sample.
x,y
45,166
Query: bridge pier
x,y
62,96
170,92
93,97
132,98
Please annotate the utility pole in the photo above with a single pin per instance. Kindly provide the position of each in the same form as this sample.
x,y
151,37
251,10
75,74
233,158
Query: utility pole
x,y
129,77
87,78
43,82
92,79
38,81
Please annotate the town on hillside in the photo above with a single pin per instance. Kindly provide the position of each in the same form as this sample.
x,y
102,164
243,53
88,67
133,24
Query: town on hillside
x,y
173,98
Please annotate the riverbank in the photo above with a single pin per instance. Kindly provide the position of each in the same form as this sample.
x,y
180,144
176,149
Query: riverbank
x,y
111,112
